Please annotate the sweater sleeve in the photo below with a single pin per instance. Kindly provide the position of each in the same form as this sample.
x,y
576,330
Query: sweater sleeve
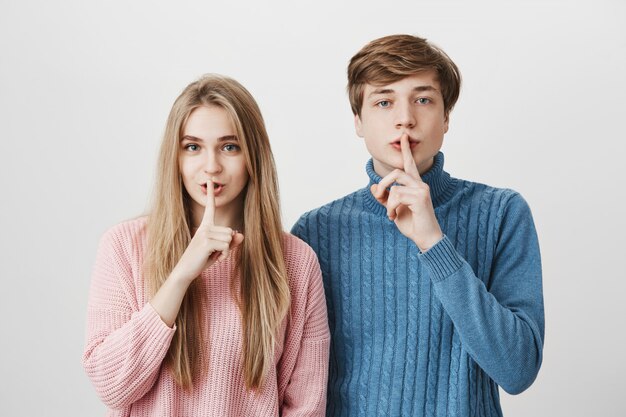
x,y
305,394
501,327
125,341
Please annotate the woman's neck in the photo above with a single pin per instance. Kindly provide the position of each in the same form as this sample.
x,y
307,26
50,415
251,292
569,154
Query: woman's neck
x,y
228,216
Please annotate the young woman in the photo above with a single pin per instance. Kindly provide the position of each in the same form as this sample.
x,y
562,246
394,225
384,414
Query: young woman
x,y
206,307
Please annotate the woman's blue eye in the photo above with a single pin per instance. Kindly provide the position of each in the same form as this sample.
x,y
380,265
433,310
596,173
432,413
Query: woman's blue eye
x,y
383,103
230,147
423,100
191,147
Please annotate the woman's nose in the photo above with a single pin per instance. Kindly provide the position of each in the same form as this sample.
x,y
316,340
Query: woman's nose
x,y
212,164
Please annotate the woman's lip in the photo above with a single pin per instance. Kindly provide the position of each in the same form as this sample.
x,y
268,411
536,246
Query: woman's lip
x,y
217,188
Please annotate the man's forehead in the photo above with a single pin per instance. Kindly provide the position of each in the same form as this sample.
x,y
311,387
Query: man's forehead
x,y
410,84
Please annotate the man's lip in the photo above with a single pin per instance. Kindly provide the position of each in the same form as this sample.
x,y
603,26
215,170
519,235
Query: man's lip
x,y
412,144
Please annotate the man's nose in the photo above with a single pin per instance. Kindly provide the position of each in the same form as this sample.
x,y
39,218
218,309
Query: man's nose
x,y
404,116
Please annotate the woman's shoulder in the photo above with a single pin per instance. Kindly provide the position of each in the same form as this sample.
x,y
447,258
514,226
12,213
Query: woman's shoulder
x,y
127,233
297,250
302,265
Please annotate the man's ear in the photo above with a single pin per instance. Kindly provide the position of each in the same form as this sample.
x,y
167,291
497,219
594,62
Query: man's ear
x,y
446,123
357,126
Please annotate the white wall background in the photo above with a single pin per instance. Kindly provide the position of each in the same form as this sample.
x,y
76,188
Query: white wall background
x,y
85,88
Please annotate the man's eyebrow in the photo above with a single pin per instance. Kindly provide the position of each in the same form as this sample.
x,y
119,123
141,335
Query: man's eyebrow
x,y
417,89
424,88
381,91
226,138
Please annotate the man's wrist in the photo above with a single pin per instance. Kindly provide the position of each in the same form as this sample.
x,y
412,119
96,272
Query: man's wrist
x,y
425,244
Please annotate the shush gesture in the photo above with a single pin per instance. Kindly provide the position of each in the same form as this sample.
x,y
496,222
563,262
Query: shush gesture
x,y
408,202
209,244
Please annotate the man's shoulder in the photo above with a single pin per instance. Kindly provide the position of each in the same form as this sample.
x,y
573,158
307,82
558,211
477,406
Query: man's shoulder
x,y
495,205
334,206
333,213
485,192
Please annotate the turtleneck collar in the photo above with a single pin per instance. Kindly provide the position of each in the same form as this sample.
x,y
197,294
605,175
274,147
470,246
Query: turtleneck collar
x,y
441,185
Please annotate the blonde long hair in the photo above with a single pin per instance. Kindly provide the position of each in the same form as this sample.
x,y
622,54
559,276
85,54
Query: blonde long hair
x,y
263,294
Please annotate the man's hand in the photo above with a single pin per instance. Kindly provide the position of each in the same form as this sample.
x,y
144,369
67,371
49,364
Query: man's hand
x,y
408,204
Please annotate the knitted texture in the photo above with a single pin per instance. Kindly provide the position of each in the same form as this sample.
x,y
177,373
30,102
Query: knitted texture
x,y
433,333
127,341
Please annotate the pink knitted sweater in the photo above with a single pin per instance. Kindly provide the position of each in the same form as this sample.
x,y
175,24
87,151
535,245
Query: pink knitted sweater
x,y
127,340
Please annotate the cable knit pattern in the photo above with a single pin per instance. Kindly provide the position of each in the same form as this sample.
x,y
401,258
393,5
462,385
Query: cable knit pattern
x,y
433,333
127,340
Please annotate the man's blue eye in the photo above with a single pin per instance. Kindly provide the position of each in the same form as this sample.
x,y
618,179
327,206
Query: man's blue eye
x,y
423,100
384,103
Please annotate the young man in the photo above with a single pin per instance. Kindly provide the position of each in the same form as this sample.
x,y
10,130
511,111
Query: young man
x,y
433,283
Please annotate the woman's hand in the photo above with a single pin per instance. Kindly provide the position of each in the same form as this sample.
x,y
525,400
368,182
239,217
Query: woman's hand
x,y
210,243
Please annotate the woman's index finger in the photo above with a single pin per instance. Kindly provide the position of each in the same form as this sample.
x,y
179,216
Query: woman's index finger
x,y
209,208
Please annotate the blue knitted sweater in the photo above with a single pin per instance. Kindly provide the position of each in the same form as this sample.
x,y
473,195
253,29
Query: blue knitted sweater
x,y
433,333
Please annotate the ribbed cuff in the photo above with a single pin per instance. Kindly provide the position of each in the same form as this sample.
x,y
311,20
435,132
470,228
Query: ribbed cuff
x,y
442,260
153,322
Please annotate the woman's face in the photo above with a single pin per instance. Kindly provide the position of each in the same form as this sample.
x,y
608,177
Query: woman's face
x,y
210,155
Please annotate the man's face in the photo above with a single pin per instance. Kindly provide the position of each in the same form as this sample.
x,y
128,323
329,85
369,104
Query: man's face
x,y
413,105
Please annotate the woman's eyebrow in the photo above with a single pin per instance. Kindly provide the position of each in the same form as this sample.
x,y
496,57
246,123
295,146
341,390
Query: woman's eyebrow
x,y
224,138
